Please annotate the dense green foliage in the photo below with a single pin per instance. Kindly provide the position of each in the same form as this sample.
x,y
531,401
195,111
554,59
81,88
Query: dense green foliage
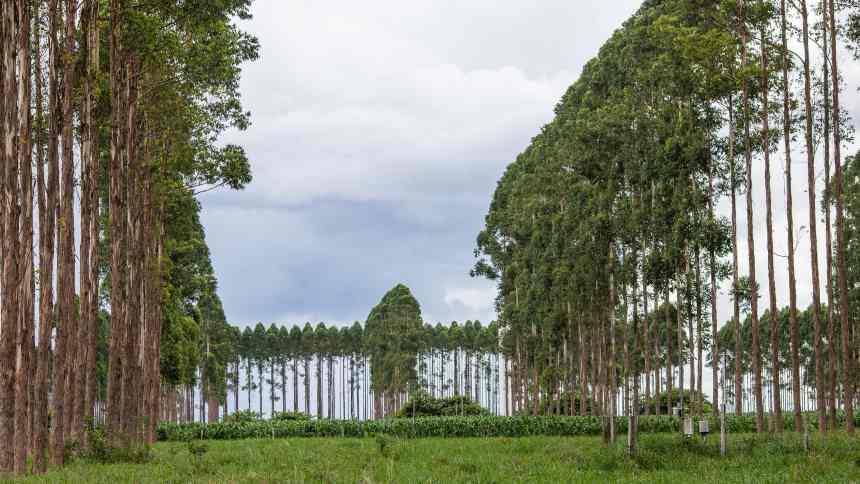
x,y
422,404
392,331
422,427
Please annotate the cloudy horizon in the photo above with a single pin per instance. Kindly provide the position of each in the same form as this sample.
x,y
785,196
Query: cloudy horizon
x,y
379,133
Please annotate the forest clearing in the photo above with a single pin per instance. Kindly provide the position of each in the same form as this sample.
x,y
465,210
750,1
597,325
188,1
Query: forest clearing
x,y
634,288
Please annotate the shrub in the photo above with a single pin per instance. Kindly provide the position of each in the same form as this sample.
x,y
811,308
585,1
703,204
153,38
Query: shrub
x,y
282,416
242,417
444,426
422,404
99,449
651,403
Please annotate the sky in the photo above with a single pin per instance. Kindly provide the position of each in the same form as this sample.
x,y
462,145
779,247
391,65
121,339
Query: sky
x,y
380,129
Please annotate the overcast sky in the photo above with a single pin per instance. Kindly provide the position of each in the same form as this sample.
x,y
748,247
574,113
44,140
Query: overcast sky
x,y
380,130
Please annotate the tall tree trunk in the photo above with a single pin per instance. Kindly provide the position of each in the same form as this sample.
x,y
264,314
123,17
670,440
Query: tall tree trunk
x,y
27,286
8,169
828,229
88,327
738,400
119,359
712,263
813,216
792,279
669,372
841,263
64,357
319,386
771,277
753,284
295,386
699,329
131,380
47,200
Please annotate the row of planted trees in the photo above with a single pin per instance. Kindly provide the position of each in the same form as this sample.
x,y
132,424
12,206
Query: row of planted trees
x,y
110,115
359,371
605,235
325,371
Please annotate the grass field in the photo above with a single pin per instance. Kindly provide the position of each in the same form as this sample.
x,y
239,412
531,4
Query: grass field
x,y
663,458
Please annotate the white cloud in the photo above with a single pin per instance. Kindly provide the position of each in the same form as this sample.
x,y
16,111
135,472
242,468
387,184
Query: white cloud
x,y
477,300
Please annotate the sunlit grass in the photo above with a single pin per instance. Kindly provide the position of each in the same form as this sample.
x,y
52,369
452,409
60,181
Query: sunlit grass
x,y
662,458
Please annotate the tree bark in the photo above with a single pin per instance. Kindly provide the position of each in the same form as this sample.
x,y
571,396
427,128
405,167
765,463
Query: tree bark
x,y
841,262
753,285
27,286
792,279
47,199
771,279
119,360
10,307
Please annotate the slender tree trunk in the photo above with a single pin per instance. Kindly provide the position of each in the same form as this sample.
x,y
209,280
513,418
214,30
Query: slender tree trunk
x,y
88,327
735,256
841,263
699,329
295,386
319,386
9,163
66,351
48,190
813,216
611,379
828,229
712,263
134,262
633,424
119,359
792,279
753,284
771,277
669,372
657,369
27,286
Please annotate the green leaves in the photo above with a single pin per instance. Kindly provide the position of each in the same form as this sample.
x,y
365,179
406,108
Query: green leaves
x,y
437,427
392,340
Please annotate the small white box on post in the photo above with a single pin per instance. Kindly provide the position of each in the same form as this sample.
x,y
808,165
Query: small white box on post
x,y
688,426
704,429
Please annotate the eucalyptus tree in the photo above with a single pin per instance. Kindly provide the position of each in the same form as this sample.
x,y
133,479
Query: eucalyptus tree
x,y
306,351
295,348
321,350
841,244
813,216
390,336
789,208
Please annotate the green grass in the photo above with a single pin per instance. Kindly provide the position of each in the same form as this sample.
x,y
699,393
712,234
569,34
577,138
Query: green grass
x,y
663,458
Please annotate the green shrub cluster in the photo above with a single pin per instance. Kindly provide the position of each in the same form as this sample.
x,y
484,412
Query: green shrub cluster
x,y
457,426
243,416
291,416
422,404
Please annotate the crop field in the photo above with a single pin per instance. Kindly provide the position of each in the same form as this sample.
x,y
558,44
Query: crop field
x,y
662,458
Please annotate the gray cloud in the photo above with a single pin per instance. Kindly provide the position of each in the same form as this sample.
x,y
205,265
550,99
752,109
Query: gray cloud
x,y
379,132
380,129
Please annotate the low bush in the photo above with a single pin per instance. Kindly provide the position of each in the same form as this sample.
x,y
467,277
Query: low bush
x,y
280,416
422,404
100,450
242,416
457,426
